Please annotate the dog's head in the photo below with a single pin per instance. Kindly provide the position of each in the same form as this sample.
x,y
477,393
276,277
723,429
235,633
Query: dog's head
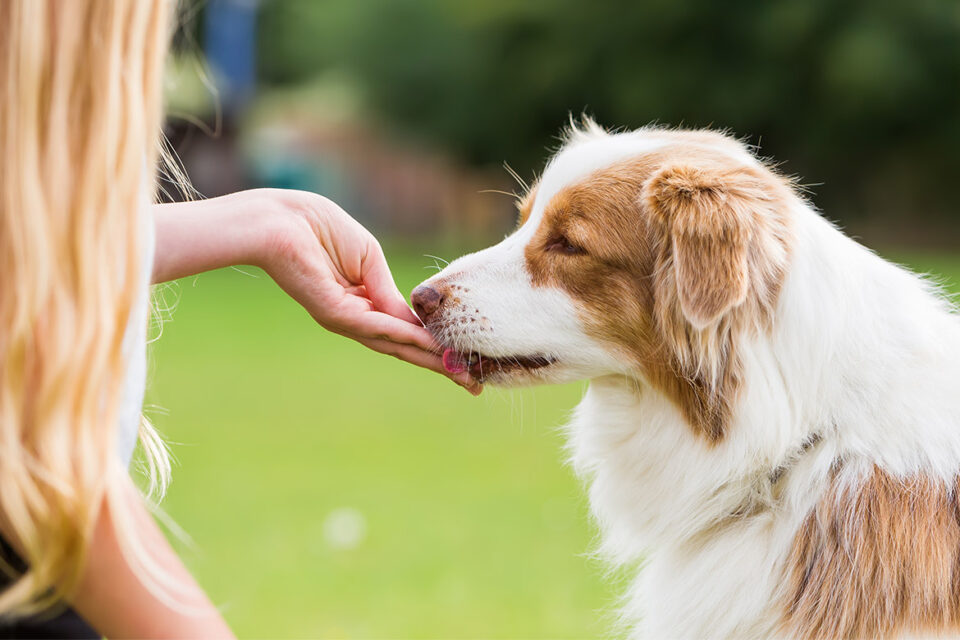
x,y
646,254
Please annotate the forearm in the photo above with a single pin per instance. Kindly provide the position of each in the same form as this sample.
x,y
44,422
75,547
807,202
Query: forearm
x,y
193,237
113,599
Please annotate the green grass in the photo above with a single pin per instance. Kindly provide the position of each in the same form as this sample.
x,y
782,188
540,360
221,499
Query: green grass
x,y
471,524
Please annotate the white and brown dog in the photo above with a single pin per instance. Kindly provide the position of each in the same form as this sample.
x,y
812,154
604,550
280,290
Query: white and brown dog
x,y
773,419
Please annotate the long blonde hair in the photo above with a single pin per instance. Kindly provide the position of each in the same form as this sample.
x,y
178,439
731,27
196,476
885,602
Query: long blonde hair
x,y
80,117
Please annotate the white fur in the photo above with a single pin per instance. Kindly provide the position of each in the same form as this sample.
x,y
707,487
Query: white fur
x,y
862,353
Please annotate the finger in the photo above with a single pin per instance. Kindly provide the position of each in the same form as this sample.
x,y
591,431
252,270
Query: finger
x,y
376,325
345,312
360,291
381,287
421,358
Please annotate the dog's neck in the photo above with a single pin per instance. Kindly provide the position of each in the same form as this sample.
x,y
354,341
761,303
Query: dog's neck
x,y
656,482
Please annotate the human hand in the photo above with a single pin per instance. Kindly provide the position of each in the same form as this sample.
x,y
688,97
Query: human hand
x,y
334,267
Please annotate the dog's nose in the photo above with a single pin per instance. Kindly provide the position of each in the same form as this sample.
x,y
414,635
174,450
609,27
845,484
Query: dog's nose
x,y
426,300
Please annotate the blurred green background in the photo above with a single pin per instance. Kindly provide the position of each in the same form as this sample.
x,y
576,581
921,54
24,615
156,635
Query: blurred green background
x,y
332,492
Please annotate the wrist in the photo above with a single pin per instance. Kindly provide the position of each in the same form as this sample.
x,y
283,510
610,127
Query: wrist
x,y
255,227
278,224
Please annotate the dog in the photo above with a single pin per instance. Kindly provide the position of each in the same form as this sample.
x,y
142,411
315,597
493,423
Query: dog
x,y
772,427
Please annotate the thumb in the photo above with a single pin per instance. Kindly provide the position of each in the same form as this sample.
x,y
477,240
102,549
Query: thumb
x,y
381,288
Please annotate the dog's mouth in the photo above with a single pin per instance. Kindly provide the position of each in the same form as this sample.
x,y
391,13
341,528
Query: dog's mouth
x,y
481,366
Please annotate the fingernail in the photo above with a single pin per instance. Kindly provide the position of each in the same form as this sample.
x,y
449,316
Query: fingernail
x,y
469,384
472,386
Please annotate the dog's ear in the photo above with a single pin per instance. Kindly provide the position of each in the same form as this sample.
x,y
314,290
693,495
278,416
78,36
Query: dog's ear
x,y
704,221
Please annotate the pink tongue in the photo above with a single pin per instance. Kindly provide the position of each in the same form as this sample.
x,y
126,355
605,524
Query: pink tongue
x,y
454,361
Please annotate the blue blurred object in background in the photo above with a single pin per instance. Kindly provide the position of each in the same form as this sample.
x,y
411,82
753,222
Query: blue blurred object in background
x,y
230,46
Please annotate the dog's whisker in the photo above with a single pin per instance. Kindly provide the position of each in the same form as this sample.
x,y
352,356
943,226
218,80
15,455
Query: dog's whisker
x,y
516,176
436,259
503,193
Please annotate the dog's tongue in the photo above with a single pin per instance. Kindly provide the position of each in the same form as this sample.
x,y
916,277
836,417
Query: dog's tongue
x,y
454,361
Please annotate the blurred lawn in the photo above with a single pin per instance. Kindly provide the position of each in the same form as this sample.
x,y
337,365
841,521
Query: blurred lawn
x,y
333,492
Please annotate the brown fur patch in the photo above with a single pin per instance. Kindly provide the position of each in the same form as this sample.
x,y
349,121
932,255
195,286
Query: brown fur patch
x,y
675,263
877,558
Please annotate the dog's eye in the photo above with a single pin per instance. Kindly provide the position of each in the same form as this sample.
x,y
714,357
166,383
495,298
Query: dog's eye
x,y
560,244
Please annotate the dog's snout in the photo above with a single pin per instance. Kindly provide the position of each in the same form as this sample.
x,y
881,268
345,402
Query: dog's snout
x,y
426,300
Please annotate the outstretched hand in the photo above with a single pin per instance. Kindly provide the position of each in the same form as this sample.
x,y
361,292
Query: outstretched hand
x,y
334,267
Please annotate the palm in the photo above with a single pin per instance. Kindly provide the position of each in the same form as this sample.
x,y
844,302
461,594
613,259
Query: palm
x,y
337,271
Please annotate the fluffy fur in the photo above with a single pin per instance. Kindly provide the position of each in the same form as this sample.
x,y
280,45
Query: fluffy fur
x,y
773,421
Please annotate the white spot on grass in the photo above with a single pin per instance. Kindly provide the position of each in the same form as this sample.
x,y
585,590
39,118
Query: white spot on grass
x,y
344,528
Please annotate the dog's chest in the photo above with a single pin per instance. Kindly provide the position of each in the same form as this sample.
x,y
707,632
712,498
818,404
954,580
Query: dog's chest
x,y
649,488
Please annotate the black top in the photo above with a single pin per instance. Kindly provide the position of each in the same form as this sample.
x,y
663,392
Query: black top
x,y
62,622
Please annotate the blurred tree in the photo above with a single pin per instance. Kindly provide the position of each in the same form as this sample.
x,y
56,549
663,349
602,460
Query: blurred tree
x,y
862,95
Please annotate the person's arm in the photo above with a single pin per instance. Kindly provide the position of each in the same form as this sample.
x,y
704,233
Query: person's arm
x,y
115,602
316,252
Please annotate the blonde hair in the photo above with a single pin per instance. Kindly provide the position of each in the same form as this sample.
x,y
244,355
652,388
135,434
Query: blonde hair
x,y
80,117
